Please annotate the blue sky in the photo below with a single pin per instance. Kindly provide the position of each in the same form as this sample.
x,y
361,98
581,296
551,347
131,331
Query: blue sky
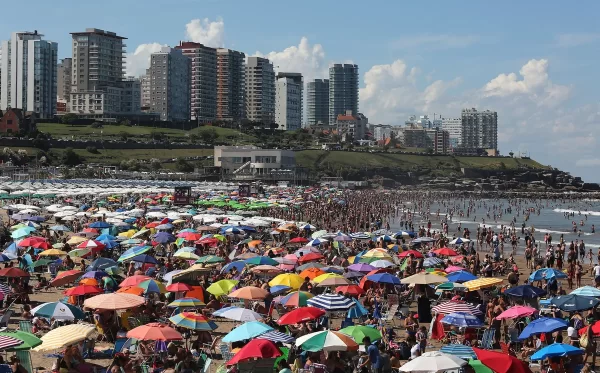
x,y
533,62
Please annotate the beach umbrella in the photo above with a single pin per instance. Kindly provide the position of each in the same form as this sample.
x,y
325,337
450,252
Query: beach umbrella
x,y
573,302
7,342
255,349
163,238
106,237
30,241
361,267
99,225
179,287
382,263
249,293
316,242
515,312
556,349
260,260
413,253
79,253
331,302
353,274
133,280
22,232
311,273
209,259
131,290
326,341
38,263
461,276
477,365
152,286
144,258
334,281
133,252
500,362
277,337
186,255
543,325
245,331
357,311
300,315
445,251
433,361
194,321
76,240
462,320
91,244
52,252
384,278
238,314
187,302
459,241
64,336
353,290
28,340
94,274
482,283
154,332
221,287
58,311
101,264
359,332
424,278
60,228
239,265
66,277
318,234
13,272
587,291
232,230
325,276
461,351
451,269
546,274
296,299
432,262
451,286
292,280
83,290
452,307
310,257
526,291
114,301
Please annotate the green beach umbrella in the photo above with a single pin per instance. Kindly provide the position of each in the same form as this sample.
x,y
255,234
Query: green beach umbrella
x,y
478,367
209,259
41,262
358,332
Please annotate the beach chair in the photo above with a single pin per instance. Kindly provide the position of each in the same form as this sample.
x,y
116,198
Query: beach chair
x,y
119,343
26,326
487,340
389,315
25,358
6,318
226,353
209,348
319,368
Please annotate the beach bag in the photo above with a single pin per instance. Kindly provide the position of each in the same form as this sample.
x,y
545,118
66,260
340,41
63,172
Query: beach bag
x,y
583,340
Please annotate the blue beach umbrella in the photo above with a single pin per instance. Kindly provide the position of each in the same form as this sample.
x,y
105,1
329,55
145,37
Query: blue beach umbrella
x,y
316,242
133,252
239,265
106,237
573,302
525,291
246,331
462,319
543,325
432,261
100,225
357,311
557,349
232,230
461,276
461,351
143,258
164,237
384,278
546,274
588,291
60,228
101,263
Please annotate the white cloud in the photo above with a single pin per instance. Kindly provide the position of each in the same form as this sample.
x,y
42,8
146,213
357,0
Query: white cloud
x,y
210,33
576,39
139,61
534,83
435,41
302,58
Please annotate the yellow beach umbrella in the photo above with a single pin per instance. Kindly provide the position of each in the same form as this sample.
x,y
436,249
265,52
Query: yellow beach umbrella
x,y
127,234
287,279
482,283
76,240
325,276
186,255
140,233
424,278
65,336
221,287
51,252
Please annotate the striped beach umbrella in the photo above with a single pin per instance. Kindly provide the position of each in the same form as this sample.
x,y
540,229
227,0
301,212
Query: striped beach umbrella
x,y
275,336
461,351
133,252
58,311
296,299
187,302
209,259
7,342
452,307
152,286
192,320
65,336
28,340
326,341
331,302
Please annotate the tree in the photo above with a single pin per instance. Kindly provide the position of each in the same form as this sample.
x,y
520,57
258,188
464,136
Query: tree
x,y
429,150
41,143
155,164
126,122
123,135
273,126
69,118
194,138
182,165
92,149
70,158
208,135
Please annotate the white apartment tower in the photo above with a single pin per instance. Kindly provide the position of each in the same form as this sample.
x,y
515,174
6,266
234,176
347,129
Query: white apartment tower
x,y
454,128
288,101
260,90
170,85
29,69
479,129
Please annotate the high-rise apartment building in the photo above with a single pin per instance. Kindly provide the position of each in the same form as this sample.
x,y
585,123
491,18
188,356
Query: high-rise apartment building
x,y
203,80
28,72
63,81
343,90
317,102
260,90
145,91
231,77
288,101
170,84
131,95
479,129
454,128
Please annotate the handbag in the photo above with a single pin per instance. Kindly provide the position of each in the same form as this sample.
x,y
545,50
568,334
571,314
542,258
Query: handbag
x,y
583,340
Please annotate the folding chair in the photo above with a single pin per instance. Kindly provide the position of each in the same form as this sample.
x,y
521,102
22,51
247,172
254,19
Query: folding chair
x,y
209,348
226,354
487,340
25,358
390,314
25,326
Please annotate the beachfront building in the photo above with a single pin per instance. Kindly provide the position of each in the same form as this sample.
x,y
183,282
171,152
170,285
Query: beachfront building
x,y
343,90
203,81
454,128
231,86
253,163
351,127
479,129
382,131
63,79
288,101
170,85
28,74
260,90
317,102
145,87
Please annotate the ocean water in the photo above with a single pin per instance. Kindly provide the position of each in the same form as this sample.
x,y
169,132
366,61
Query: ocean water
x,y
555,217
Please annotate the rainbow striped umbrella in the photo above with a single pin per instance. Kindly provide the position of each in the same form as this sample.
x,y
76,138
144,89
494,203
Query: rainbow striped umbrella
x,y
152,286
296,299
187,302
192,320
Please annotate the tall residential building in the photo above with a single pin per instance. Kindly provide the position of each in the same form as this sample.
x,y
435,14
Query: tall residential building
x,y
343,90
479,129
260,90
231,86
145,91
170,84
63,80
288,101
317,102
28,79
203,80
454,128
131,95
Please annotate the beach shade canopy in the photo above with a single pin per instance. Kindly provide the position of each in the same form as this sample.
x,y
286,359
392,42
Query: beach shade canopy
x,y
114,301
462,319
556,349
546,274
58,311
255,349
358,332
13,272
587,291
187,302
83,290
331,302
292,280
246,331
296,299
500,362
178,287
543,325
249,293
384,278
433,361
461,276
353,290
28,340
461,351
194,321
424,278
133,280
66,277
154,332
238,314
525,291
65,336
571,303
482,283
221,287
326,341
516,312
276,337
300,315
452,307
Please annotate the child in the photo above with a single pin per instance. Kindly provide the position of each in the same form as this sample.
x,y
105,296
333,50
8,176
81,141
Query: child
x,y
421,338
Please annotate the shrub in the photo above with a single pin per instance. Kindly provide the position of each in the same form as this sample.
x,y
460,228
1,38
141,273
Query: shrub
x,y
92,149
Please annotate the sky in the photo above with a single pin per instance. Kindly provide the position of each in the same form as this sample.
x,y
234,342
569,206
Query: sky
x,y
534,62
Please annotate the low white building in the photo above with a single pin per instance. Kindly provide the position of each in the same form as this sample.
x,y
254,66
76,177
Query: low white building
x,y
251,162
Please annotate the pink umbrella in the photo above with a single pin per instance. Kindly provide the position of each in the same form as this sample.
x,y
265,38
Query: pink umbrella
x,y
516,311
291,258
286,267
451,269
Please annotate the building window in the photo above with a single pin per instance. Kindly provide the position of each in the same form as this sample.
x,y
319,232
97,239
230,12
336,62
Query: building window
x,y
9,121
